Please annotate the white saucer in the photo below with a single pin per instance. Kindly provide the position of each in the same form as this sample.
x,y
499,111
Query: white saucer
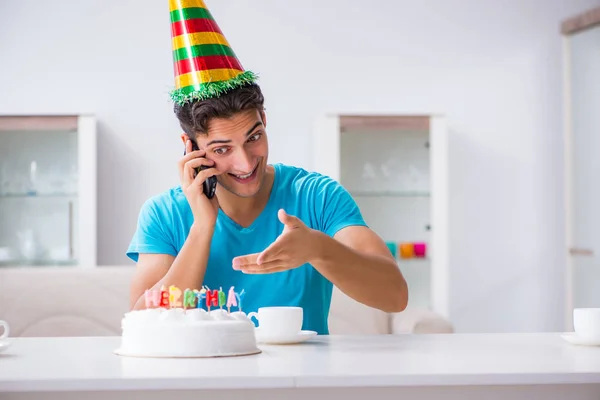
x,y
573,338
300,337
4,344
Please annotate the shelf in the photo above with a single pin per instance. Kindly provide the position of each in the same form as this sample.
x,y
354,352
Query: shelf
x,y
37,263
388,193
414,260
39,196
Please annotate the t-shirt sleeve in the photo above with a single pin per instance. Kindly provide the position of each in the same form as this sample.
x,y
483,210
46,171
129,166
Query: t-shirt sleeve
x,y
152,234
335,207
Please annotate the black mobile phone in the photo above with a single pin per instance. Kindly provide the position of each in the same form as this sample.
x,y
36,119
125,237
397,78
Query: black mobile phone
x,y
209,186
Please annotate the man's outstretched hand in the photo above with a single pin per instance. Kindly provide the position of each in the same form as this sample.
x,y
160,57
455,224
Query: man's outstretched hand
x,y
296,246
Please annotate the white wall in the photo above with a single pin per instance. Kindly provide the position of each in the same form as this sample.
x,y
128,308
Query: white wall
x,y
493,67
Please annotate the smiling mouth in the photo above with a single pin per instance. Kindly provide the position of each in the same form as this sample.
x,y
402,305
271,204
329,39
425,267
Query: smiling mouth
x,y
247,176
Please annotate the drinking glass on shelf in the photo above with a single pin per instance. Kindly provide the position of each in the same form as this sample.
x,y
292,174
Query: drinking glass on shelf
x,y
32,181
29,245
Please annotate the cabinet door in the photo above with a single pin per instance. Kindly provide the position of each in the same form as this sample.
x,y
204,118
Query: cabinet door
x,y
584,175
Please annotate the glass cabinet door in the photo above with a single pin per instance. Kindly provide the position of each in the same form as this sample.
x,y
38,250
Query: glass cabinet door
x,y
387,172
584,176
39,197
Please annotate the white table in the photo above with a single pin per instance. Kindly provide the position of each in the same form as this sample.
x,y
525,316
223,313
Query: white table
x,y
465,366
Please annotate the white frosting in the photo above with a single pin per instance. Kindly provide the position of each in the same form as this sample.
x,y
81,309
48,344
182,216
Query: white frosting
x,y
176,332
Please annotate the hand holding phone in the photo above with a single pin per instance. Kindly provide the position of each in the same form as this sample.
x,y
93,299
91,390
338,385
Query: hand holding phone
x,y
198,183
210,185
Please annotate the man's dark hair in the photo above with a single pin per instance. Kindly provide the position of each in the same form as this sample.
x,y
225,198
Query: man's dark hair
x,y
194,116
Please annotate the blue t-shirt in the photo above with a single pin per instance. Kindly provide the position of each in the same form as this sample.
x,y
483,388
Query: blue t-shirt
x,y
319,201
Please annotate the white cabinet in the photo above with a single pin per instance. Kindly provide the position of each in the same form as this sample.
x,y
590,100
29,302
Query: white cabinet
x,y
396,168
581,40
47,190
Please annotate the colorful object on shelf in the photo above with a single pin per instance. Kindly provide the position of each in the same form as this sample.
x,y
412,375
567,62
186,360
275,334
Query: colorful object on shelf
x,y
406,250
420,250
392,247
205,64
192,298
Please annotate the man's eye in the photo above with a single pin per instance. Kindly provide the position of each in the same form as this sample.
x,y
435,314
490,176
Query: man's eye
x,y
220,150
254,137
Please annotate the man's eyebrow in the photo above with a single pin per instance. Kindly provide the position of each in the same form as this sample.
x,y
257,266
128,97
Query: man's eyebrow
x,y
218,141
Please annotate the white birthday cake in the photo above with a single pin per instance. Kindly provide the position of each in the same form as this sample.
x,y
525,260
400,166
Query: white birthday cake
x,y
171,327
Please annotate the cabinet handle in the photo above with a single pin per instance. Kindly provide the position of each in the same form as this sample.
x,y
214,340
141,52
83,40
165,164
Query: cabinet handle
x,y
71,252
581,252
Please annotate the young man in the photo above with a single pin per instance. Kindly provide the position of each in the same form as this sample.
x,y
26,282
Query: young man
x,y
282,234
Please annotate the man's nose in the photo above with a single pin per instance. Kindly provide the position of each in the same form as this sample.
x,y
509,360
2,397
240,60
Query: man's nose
x,y
244,162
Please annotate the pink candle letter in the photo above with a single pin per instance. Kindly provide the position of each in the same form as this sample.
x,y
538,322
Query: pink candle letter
x,y
231,299
152,297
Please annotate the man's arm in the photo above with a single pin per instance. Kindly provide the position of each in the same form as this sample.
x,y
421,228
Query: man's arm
x,y
358,262
186,271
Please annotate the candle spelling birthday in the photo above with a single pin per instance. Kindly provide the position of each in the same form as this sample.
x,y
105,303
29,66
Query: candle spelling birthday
x,y
205,298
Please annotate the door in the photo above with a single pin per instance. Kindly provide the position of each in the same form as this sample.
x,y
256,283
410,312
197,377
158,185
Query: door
x,y
582,74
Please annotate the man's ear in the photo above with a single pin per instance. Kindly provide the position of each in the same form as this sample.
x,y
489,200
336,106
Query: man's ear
x,y
184,138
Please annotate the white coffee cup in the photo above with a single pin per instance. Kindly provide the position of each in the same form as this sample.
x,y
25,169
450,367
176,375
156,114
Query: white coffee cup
x,y
4,324
279,321
586,322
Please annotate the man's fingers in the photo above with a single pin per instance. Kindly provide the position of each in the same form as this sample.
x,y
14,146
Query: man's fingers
x,y
244,261
204,175
288,220
266,268
271,253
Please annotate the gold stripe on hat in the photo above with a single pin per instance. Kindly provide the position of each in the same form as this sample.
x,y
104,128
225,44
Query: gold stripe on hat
x,y
194,39
179,4
200,77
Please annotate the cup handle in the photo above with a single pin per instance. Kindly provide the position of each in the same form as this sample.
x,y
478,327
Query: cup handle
x,y
6,330
253,314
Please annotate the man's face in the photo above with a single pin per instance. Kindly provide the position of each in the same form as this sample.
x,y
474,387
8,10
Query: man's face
x,y
239,148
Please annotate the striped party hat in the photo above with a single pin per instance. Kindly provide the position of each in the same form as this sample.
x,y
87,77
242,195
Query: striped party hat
x,y
205,64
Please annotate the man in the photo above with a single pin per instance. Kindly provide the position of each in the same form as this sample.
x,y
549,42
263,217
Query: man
x,y
282,234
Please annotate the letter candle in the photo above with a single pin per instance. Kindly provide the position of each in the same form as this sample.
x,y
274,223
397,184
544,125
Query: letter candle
x,y
164,297
200,296
222,300
231,300
239,296
152,298
212,298
174,296
189,298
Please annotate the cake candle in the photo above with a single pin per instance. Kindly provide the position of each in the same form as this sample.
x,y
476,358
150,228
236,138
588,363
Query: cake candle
x,y
222,300
189,298
174,296
231,300
239,296
164,297
212,298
